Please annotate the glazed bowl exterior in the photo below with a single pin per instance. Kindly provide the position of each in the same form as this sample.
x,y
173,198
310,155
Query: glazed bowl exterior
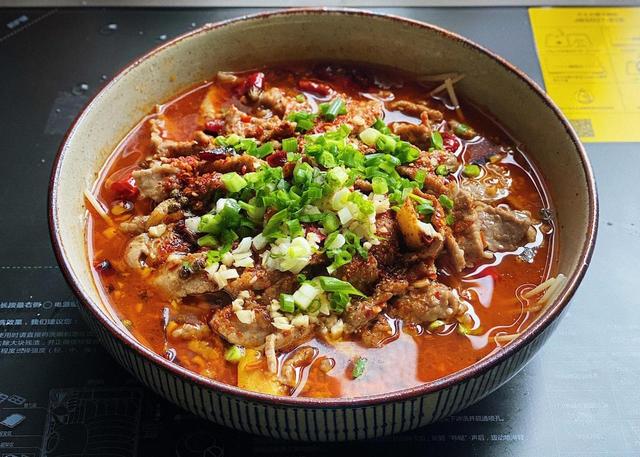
x,y
310,35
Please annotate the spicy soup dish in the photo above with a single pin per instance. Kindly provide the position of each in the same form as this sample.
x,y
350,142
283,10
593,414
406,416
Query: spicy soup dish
x,y
322,242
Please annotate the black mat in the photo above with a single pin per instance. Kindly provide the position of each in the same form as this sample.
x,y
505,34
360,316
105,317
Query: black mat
x,y
61,395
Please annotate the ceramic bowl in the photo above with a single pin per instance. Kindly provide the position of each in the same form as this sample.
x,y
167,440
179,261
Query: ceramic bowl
x,y
311,34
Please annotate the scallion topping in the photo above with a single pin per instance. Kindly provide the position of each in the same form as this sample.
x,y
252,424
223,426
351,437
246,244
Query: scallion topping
x,y
331,110
234,354
287,303
331,284
436,140
359,366
234,182
471,170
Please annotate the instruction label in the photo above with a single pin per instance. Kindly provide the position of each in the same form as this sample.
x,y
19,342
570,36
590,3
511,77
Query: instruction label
x,y
590,60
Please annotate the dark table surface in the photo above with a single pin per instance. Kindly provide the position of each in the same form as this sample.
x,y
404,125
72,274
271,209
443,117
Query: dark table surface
x,y
578,397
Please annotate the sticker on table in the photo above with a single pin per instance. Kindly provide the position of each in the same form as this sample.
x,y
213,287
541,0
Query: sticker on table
x,y
590,60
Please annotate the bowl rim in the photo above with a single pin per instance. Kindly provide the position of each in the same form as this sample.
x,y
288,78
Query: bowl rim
x,y
472,371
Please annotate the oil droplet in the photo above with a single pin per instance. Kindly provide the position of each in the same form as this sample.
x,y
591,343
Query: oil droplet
x,y
109,29
162,37
80,89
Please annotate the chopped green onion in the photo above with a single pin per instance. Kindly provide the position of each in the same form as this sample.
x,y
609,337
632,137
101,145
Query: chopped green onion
x,y
379,185
462,130
331,284
287,303
330,223
369,136
300,98
426,208
436,140
472,170
442,170
462,330
290,145
331,110
301,278
295,229
380,126
234,353
304,120
234,182
450,219
339,302
421,175
208,241
435,325
305,295
358,367
446,202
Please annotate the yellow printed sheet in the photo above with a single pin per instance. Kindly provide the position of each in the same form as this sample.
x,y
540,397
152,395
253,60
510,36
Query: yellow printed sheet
x,y
590,59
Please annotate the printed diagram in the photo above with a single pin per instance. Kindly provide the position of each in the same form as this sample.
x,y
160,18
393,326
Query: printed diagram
x,y
584,97
570,40
12,420
92,422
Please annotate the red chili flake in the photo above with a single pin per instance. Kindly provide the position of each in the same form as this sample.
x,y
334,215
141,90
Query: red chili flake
x,y
245,118
277,159
214,154
315,87
126,188
450,142
255,82
214,127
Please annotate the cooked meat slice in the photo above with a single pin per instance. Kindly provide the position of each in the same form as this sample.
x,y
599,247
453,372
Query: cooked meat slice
x,y
170,148
226,324
362,113
363,311
456,253
361,273
279,103
387,231
137,251
417,134
378,333
287,339
414,109
257,278
166,211
143,250
285,285
503,229
135,225
263,129
175,280
241,164
466,230
152,181
427,304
